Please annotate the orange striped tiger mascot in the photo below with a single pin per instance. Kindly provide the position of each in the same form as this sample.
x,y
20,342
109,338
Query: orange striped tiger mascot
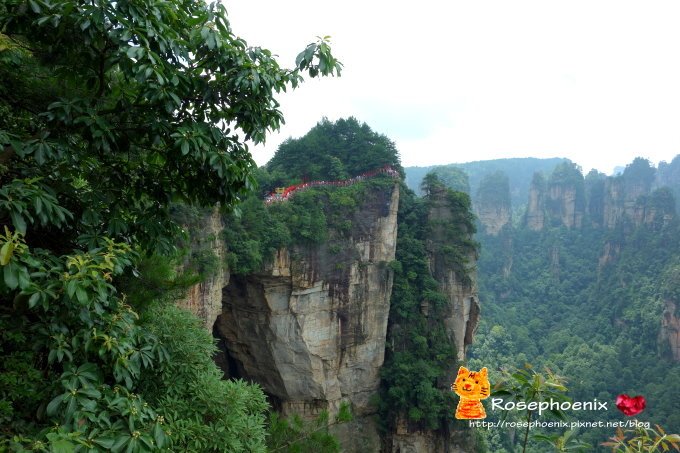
x,y
472,387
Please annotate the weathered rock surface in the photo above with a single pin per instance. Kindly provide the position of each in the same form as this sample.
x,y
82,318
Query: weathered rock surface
x,y
462,314
311,328
535,215
629,200
555,203
564,205
670,329
492,217
205,299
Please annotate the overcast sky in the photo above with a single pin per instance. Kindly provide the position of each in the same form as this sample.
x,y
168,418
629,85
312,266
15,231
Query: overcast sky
x,y
596,81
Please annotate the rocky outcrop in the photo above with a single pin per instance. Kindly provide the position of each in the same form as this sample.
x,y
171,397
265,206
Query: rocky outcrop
x,y
493,218
564,205
204,299
492,203
623,200
462,313
311,327
457,281
558,202
610,252
670,329
535,215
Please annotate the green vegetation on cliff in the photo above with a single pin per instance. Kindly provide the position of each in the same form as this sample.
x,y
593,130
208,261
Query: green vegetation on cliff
x,y
256,231
420,353
109,112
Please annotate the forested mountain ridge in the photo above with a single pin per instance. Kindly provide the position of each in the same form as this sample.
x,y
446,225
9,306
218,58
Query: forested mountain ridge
x,y
585,283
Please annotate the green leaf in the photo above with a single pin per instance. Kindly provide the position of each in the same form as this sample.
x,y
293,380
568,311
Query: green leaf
x,y
105,442
54,405
18,222
33,300
81,294
34,6
185,147
159,435
70,407
91,392
71,288
11,276
62,446
6,253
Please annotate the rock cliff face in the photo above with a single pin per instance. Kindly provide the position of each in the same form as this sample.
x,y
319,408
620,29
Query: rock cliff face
x,y
615,200
205,299
670,330
461,291
555,202
492,203
460,317
563,201
311,328
459,440
623,200
492,217
535,216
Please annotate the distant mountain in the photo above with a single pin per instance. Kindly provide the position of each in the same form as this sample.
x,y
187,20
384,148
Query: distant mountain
x,y
519,171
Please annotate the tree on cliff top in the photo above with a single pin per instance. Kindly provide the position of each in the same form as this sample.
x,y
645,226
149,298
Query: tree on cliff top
x,y
639,172
494,190
333,151
109,111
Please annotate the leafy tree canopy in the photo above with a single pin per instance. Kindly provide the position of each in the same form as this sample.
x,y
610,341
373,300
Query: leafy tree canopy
x,y
494,189
567,172
639,172
110,111
454,178
332,151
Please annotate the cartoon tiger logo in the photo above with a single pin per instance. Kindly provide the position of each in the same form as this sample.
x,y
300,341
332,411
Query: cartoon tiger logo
x,y
472,387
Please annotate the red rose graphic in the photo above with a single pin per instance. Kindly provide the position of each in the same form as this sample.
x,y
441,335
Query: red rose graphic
x,y
630,406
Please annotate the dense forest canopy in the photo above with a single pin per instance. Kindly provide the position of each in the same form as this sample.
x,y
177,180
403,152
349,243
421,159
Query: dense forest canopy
x,y
587,301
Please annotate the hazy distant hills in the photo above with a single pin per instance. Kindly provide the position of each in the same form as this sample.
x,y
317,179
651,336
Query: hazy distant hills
x,y
519,170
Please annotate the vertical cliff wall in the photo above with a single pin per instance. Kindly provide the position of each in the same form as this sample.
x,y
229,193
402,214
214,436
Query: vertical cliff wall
x,y
566,199
558,201
311,327
451,260
535,214
457,280
492,203
204,299
670,330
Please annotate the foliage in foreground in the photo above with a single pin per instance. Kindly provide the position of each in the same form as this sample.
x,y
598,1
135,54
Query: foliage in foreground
x,y
110,111
294,435
643,440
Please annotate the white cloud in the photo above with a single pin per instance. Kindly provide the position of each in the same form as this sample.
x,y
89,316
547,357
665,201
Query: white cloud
x,y
598,82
